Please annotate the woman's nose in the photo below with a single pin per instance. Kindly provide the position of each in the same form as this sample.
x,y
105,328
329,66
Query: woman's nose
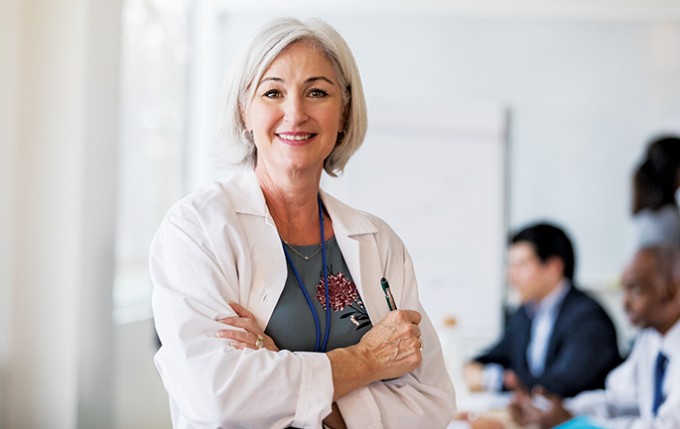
x,y
295,110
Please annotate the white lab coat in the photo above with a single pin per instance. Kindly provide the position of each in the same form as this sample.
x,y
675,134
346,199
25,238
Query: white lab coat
x,y
219,245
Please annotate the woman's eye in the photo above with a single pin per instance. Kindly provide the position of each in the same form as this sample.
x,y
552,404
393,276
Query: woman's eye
x,y
272,93
317,93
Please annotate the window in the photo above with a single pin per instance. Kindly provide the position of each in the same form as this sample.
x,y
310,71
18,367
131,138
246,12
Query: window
x,y
152,143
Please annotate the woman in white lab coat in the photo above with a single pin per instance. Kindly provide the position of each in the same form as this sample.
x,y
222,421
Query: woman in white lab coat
x,y
267,291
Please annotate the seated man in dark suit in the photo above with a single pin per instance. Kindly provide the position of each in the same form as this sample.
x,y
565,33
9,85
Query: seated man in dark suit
x,y
559,338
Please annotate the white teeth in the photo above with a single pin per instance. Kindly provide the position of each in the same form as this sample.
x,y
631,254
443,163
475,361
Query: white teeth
x,y
298,137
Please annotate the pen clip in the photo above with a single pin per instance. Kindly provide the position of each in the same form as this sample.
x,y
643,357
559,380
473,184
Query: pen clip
x,y
388,294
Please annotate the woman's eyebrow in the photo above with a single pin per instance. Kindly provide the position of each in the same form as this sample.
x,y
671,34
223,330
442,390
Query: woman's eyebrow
x,y
307,81
315,78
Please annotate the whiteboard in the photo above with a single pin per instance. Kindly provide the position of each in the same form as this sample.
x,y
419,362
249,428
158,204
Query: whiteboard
x,y
438,178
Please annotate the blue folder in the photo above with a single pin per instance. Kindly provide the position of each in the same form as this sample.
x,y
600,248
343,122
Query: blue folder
x,y
579,423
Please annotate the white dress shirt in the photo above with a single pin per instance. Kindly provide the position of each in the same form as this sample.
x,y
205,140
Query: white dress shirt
x,y
221,245
544,314
626,402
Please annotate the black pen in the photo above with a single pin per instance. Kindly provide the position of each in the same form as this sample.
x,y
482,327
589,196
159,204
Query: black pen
x,y
388,295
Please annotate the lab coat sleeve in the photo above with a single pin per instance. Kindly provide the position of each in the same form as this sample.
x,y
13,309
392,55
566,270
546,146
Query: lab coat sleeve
x,y
211,384
423,398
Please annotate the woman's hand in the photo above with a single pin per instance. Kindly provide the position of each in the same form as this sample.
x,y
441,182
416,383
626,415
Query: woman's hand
x,y
390,349
393,344
251,337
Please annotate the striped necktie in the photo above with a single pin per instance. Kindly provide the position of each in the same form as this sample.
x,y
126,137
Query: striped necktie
x,y
659,373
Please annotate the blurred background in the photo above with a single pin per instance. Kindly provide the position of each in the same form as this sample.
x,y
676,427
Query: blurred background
x,y
483,116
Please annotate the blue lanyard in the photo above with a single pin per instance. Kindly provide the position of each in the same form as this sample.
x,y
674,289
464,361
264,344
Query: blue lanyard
x,y
317,346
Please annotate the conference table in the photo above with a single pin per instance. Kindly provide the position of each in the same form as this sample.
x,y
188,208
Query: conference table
x,y
486,405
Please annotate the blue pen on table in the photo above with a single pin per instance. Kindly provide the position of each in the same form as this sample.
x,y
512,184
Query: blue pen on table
x,y
388,295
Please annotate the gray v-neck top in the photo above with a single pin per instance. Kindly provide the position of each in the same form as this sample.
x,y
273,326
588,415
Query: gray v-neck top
x,y
292,326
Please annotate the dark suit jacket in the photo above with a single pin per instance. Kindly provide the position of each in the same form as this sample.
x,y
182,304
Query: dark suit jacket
x,y
581,351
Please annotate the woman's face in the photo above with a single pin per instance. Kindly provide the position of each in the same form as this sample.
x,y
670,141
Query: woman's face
x,y
296,113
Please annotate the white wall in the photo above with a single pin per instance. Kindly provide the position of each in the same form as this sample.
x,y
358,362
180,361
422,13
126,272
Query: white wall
x,y
60,59
437,177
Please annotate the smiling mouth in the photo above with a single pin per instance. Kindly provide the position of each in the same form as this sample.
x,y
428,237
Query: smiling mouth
x,y
295,137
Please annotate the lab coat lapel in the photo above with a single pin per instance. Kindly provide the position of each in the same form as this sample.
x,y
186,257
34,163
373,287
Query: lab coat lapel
x,y
355,235
262,289
354,232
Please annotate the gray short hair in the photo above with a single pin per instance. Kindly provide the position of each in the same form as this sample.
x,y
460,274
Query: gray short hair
x,y
257,54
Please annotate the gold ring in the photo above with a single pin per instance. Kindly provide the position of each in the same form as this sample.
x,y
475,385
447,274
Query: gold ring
x,y
259,341
421,344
